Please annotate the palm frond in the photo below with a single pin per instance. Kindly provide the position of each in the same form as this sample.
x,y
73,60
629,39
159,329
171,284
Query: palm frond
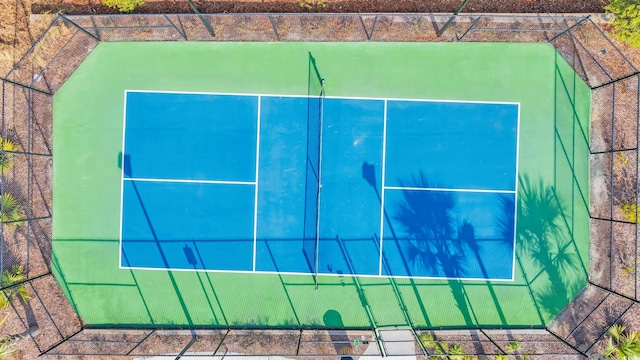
x,y
4,302
9,277
15,275
6,349
616,331
8,145
10,211
6,155
456,349
23,293
629,345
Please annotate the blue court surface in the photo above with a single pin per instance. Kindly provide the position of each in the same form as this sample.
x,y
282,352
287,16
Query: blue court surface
x,y
295,184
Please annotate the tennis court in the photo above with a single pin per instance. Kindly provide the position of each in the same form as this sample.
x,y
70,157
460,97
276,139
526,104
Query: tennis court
x,y
295,184
341,185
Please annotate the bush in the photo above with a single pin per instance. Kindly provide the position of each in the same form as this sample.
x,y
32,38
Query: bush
x,y
313,4
123,5
513,346
629,211
626,25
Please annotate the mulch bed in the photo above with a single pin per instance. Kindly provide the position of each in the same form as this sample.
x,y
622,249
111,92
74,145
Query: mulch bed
x,y
331,6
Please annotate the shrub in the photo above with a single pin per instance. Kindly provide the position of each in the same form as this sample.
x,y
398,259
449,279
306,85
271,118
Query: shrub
x,y
513,346
123,5
622,344
626,24
629,211
456,352
313,4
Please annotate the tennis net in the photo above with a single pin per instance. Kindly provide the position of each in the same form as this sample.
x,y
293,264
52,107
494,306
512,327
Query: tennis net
x,y
313,184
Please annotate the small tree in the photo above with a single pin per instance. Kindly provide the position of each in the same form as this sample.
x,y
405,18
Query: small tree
x,y
626,24
622,345
123,5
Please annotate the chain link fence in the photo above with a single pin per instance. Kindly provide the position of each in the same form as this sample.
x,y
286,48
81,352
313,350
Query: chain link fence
x,y
51,323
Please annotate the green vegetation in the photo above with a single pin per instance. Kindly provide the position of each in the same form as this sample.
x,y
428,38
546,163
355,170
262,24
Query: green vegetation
x,y
630,212
626,24
435,347
313,4
622,158
456,350
513,346
501,357
10,211
6,160
12,284
622,344
123,5
6,346
10,277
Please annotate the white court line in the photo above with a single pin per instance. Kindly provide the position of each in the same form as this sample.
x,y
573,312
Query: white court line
x,y
223,182
448,189
383,178
515,202
124,132
262,272
255,203
326,97
383,167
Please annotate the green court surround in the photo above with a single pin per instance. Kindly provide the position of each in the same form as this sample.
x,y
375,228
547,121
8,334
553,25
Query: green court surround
x,y
552,225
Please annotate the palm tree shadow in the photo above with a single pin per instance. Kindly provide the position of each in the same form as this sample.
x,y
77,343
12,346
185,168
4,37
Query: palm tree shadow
x,y
432,245
33,328
545,241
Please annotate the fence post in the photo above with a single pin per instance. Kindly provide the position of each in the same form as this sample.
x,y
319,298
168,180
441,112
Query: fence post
x,y
570,28
473,24
202,19
184,36
455,13
275,28
79,27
